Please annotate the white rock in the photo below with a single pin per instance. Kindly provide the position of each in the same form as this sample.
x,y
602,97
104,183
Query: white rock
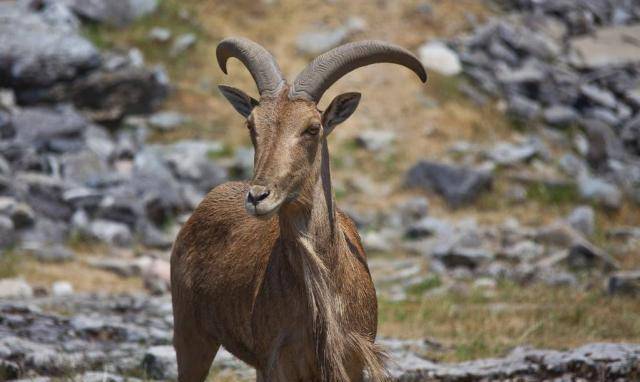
x,y
437,56
61,288
17,287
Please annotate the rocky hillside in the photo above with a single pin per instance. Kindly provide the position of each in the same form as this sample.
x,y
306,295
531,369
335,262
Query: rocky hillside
x,y
500,204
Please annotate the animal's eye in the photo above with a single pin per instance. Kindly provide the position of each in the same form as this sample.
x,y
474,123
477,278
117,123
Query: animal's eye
x,y
249,125
313,129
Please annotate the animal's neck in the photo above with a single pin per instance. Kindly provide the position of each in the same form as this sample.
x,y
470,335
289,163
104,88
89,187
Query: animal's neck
x,y
312,216
312,240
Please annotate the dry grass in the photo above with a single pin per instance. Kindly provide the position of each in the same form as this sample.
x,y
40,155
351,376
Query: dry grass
x,y
483,324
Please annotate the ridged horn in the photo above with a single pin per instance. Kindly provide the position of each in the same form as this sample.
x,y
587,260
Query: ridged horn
x,y
263,67
329,67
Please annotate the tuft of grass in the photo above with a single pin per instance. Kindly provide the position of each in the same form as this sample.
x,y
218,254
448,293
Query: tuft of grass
x,y
427,284
226,152
9,264
555,194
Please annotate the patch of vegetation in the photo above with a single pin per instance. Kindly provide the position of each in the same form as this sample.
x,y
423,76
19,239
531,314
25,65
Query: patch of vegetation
x,y
479,324
555,194
171,14
226,152
427,284
445,88
9,264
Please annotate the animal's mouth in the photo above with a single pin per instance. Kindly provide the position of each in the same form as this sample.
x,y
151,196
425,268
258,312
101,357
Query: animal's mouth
x,y
266,208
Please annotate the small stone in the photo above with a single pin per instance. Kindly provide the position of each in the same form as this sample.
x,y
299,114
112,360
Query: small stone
x,y
160,34
582,218
167,120
182,43
53,254
523,107
559,115
110,232
627,282
437,56
323,39
14,288
599,95
159,362
61,288
376,140
505,153
7,232
599,191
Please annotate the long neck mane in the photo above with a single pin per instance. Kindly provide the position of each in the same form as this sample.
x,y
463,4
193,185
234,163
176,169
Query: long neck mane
x,y
313,240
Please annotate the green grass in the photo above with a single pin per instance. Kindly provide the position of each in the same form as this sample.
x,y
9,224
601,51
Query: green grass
x,y
9,264
555,194
430,282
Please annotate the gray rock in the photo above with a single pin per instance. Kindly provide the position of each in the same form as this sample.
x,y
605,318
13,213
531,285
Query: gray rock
x,y
191,161
15,288
599,95
83,168
437,56
599,191
528,73
587,256
523,107
109,95
41,127
458,185
505,153
322,39
110,232
413,209
182,43
582,218
559,115
376,140
427,227
34,53
61,288
462,257
167,120
627,282
45,195
615,361
160,362
160,34
113,12
607,47
7,233
53,253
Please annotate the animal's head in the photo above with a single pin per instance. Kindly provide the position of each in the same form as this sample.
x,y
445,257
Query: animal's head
x,y
286,127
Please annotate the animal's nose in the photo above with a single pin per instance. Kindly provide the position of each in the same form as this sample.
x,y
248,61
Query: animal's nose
x,y
256,194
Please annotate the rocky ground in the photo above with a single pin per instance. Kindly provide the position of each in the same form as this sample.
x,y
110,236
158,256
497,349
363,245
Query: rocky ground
x,y
520,193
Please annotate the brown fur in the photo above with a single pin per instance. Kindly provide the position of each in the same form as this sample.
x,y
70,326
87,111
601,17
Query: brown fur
x,y
290,292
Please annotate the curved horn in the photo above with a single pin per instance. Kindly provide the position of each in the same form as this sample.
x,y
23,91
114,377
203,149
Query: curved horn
x,y
258,60
329,67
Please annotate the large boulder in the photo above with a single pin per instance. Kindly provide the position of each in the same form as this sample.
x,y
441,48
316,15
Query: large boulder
x,y
458,185
45,128
36,53
117,13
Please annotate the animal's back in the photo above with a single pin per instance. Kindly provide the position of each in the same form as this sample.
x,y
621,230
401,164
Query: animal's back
x,y
218,262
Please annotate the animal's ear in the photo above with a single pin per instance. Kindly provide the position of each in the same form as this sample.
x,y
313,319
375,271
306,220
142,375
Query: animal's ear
x,y
238,99
339,110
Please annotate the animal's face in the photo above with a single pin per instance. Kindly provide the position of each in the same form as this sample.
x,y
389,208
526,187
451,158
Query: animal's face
x,y
287,137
